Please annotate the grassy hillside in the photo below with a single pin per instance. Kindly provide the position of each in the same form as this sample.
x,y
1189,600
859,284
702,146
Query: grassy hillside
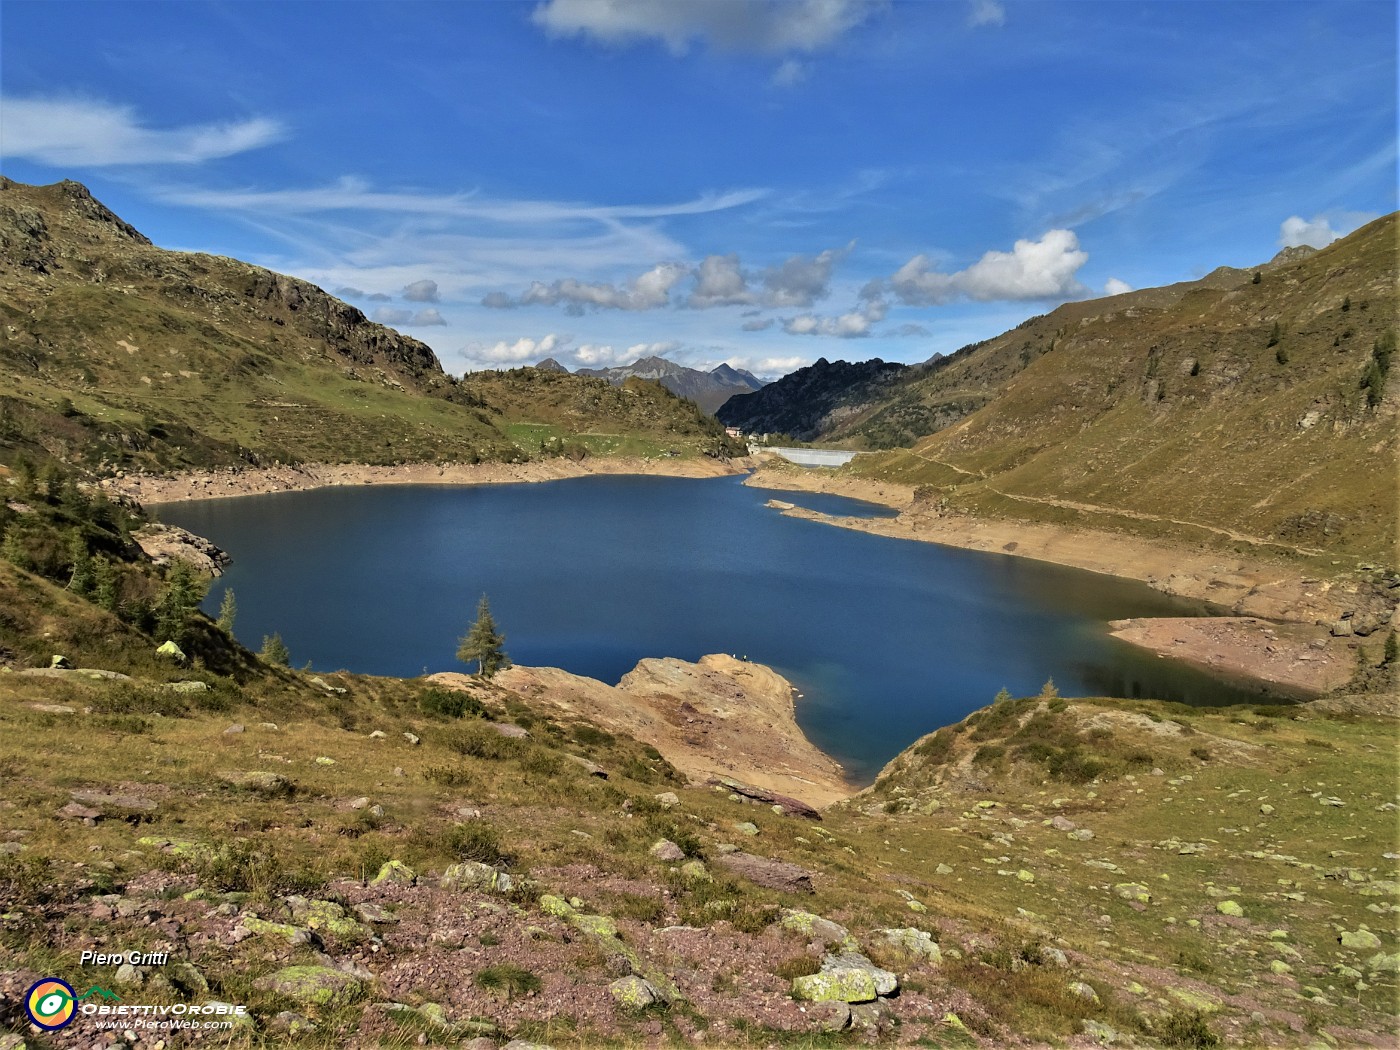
x,y
1259,407
116,354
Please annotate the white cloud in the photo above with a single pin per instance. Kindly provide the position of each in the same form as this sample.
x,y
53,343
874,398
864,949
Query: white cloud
x,y
428,317
1295,231
493,355
790,73
591,355
1113,286
646,291
390,315
986,13
768,366
773,26
91,134
855,324
421,292
801,280
1043,269
720,282
757,326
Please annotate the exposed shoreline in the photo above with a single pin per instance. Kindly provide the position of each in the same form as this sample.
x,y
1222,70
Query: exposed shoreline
x,y
249,481
1305,656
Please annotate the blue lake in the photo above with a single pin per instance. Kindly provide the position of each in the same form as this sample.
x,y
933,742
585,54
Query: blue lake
x,y
887,639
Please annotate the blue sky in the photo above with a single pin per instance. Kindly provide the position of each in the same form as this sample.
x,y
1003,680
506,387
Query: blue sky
x,y
763,183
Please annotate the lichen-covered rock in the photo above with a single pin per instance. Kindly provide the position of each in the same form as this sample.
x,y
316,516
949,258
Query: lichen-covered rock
x,y
1231,908
1382,963
474,875
1084,991
1359,940
263,927
324,915
848,977
909,942
556,906
635,993
668,799
846,986
394,871
374,914
693,872
1133,891
667,850
746,827
261,782
814,927
312,985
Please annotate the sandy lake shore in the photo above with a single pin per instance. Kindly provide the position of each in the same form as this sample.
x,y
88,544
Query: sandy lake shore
x,y
248,481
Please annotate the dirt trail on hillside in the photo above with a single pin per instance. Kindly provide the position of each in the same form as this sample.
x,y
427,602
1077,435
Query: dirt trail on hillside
x,y
720,716
209,484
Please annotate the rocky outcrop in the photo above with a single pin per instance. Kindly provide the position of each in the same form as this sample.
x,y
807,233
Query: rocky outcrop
x,y
164,543
721,719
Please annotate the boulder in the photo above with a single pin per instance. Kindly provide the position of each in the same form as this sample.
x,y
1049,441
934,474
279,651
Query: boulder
x,y
848,977
261,782
312,985
667,850
911,943
634,992
792,807
474,875
394,871
775,874
1230,908
814,927
1359,940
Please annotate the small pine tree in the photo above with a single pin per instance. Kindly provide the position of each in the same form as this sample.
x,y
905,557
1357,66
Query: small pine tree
x,y
274,651
484,642
183,593
1048,690
82,579
13,550
1346,304
1392,649
1275,335
228,612
1256,277
1281,354
106,590
1002,695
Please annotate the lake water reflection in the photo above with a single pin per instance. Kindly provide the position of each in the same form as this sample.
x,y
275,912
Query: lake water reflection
x,y
887,639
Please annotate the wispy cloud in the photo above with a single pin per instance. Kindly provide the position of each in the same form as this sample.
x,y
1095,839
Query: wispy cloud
x,y
987,13
766,26
82,133
352,194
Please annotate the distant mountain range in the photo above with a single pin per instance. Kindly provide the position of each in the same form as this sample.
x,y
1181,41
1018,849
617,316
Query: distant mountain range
x,y
709,389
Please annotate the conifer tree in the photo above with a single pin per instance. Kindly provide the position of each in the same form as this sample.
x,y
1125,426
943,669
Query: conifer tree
x,y
274,651
228,612
483,643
